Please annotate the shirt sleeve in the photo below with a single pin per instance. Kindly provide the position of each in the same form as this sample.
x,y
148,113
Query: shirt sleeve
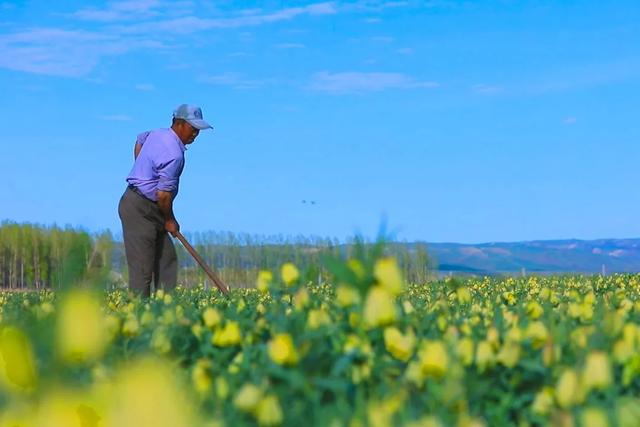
x,y
169,174
142,137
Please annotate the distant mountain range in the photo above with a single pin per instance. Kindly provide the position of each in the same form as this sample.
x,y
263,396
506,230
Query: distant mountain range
x,y
550,256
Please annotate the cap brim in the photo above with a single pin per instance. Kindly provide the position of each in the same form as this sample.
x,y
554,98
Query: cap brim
x,y
199,124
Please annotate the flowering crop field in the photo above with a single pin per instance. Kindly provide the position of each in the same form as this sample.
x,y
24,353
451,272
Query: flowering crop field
x,y
365,350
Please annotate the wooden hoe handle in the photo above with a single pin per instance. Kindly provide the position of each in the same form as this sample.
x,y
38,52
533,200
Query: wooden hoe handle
x,y
214,278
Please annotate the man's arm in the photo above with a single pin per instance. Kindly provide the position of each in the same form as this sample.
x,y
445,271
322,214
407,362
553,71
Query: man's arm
x,y
139,141
165,203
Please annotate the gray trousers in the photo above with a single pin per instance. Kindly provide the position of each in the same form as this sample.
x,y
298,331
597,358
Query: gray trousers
x,y
148,247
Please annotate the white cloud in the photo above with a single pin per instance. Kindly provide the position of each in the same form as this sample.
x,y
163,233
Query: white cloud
x,y
127,10
76,53
68,53
191,24
116,118
372,20
374,5
484,89
570,120
405,51
145,87
290,46
235,80
383,39
357,82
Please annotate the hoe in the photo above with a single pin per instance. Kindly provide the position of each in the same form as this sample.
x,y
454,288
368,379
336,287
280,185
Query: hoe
x,y
214,278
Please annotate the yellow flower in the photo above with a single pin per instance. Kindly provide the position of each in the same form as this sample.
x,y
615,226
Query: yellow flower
x,y
131,327
167,299
227,336
268,411
15,416
354,342
65,408
160,342
430,421
400,346
594,417
378,415
379,307
147,394
236,362
147,318
265,277
567,389
211,317
514,334
509,354
247,398
537,333
201,376
630,333
388,275
282,351
318,318
357,267
17,363
222,388
493,337
289,273
197,329
543,402
545,294
465,351
407,307
484,356
596,373
433,358
622,351
534,310
580,336
81,331
167,318
361,372
414,374
586,312
301,299
347,296
464,295
509,298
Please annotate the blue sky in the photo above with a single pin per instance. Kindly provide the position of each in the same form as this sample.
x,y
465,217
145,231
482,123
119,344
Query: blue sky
x,y
449,120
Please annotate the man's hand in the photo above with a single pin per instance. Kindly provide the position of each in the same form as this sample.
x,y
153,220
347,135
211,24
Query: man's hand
x,y
165,203
172,226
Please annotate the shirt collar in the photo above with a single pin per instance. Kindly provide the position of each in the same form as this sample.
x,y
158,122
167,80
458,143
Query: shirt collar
x,y
180,143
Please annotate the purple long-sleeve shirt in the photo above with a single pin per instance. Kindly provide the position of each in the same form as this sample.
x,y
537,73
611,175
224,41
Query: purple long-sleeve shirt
x,y
159,164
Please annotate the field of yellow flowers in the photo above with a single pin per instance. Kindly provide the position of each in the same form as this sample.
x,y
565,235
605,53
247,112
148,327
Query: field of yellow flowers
x,y
365,350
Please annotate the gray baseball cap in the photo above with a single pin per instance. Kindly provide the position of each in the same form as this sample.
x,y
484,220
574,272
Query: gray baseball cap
x,y
192,115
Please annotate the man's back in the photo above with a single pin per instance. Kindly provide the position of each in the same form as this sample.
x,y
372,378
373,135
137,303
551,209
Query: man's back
x,y
159,163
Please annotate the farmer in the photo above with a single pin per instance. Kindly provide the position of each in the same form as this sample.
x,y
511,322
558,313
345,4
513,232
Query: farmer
x,y
146,207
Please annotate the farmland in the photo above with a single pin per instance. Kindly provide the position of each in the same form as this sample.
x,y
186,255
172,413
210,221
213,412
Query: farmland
x,y
366,349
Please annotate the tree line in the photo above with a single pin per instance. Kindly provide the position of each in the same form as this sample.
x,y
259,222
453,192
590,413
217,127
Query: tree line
x,y
37,257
